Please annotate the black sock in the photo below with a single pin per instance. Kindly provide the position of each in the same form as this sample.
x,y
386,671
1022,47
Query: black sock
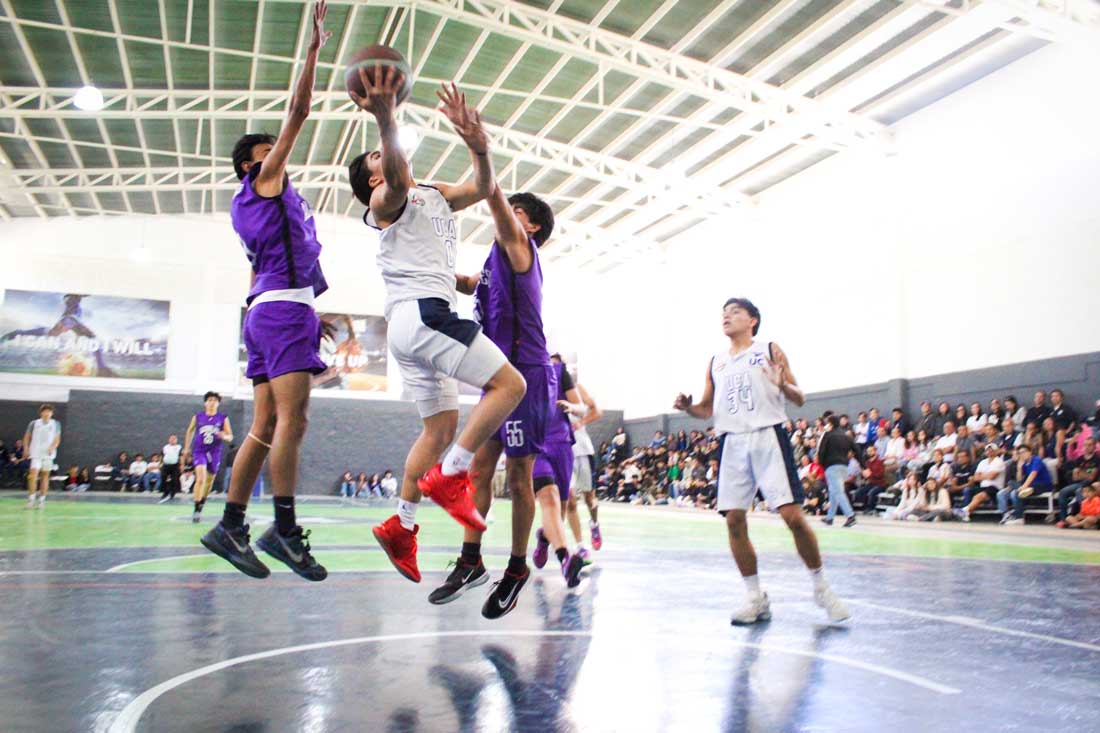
x,y
517,564
284,514
233,516
563,554
471,553
199,505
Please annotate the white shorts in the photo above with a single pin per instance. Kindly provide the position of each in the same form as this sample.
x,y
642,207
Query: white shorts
x,y
760,460
42,464
433,347
582,475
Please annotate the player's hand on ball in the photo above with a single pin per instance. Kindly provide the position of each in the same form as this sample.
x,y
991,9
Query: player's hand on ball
x,y
320,35
381,97
683,401
466,120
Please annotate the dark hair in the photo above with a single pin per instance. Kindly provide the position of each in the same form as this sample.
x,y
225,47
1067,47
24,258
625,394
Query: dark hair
x,y
538,211
833,422
242,150
1059,391
1012,398
210,394
359,177
45,407
751,309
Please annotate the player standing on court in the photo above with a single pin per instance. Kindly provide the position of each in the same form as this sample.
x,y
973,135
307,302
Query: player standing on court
x,y
584,459
206,433
433,347
746,392
282,333
42,438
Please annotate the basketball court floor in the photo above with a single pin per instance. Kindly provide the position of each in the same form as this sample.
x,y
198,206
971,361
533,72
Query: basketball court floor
x,y
117,620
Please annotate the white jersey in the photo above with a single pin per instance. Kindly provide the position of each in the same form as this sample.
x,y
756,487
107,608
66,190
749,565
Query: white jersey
x,y
745,399
582,445
43,433
416,253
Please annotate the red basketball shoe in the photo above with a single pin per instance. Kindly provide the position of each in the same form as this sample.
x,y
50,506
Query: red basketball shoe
x,y
400,546
454,494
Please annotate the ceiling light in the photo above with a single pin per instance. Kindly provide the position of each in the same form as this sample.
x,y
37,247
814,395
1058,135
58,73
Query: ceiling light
x,y
88,99
409,138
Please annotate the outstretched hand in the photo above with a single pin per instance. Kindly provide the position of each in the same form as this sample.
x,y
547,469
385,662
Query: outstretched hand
x,y
466,120
683,401
320,35
381,94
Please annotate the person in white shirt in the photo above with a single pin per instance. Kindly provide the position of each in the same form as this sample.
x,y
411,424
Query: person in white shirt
x,y
170,468
150,482
938,503
990,476
895,448
977,421
946,443
629,487
42,438
138,467
940,470
389,484
912,501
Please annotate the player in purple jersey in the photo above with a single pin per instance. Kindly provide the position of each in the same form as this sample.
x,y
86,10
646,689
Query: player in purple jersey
x,y
553,474
281,332
508,295
207,432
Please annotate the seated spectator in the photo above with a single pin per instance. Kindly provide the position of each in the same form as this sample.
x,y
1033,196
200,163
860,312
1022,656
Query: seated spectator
x,y
813,502
1015,412
1010,438
926,423
976,422
374,484
629,485
990,479
946,442
151,480
966,443
894,454
961,414
910,454
1038,411
1088,517
77,479
962,476
939,470
861,427
1084,471
659,440
912,500
1053,450
347,485
1031,476
136,471
1033,439
362,485
187,476
899,420
389,484
937,503
120,471
942,417
996,413
874,481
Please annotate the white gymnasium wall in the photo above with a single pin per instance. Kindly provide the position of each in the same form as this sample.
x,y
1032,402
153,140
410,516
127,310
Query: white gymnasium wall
x,y
976,244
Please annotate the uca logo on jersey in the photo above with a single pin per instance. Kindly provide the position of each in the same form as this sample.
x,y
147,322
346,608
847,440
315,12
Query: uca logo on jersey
x,y
417,199
757,358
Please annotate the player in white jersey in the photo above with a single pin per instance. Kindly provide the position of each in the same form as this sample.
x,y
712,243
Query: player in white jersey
x,y
418,238
746,392
41,439
584,453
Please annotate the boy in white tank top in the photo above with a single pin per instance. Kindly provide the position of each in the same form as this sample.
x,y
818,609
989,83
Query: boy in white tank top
x,y
746,392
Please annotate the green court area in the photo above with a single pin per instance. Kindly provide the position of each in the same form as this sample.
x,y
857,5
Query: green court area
x,y
342,538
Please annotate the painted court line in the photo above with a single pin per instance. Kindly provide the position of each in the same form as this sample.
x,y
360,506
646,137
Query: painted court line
x,y
124,565
127,720
978,624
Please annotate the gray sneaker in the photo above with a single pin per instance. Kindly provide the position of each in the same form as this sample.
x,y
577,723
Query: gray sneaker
x,y
232,545
293,550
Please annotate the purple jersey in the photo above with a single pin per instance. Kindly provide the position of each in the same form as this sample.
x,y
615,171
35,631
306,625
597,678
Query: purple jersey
x,y
279,237
560,429
207,428
508,305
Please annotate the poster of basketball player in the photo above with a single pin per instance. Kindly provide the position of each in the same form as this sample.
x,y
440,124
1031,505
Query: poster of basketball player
x,y
355,357
75,335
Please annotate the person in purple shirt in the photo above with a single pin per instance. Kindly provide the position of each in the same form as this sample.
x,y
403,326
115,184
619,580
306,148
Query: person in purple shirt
x,y
508,304
281,332
203,442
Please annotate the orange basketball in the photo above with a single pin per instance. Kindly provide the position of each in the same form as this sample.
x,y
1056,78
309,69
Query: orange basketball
x,y
370,57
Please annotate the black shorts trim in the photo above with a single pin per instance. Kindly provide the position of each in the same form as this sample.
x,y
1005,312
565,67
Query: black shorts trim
x,y
262,379
541,482
788,460
436,314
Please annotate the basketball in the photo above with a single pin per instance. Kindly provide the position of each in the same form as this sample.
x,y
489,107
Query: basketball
x,y
367,59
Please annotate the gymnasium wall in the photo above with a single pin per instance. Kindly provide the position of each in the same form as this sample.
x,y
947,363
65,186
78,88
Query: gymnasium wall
x,y
354,435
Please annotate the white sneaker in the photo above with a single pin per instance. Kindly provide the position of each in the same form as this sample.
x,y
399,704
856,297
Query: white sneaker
x,y
41,502
827,599
30,501
756,608
1019,521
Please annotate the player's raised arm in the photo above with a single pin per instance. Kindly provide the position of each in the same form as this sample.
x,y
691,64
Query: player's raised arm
x,y
388,196
783,377
510,233
467,123
269,182
702,409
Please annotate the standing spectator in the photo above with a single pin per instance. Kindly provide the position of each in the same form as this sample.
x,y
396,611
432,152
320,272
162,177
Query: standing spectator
x,y
1014,410
1031,476
1085,470
42,438
943,416
899,420
948,441
996,413
977,421
990,477
874,481
1089,515
927,421
137,470
1038,411
150,482
389,484
170,468
833,453
347,485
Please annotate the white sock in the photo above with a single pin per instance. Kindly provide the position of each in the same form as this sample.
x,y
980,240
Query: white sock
x,y
818,577
458,460
752,584
406,513
593,523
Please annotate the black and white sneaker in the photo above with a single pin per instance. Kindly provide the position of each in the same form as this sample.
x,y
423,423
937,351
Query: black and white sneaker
x,y
462,578
232,545
850,520
502,599
292,550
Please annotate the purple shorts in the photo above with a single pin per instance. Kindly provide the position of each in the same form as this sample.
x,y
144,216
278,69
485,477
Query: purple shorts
x,y
555,466
282,337
209,456
524,431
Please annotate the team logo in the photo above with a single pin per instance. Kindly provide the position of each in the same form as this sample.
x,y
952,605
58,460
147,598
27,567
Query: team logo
x,y
757,358
417,200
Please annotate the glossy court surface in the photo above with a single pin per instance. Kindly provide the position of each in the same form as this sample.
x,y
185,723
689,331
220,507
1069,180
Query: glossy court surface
x,y
116,620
